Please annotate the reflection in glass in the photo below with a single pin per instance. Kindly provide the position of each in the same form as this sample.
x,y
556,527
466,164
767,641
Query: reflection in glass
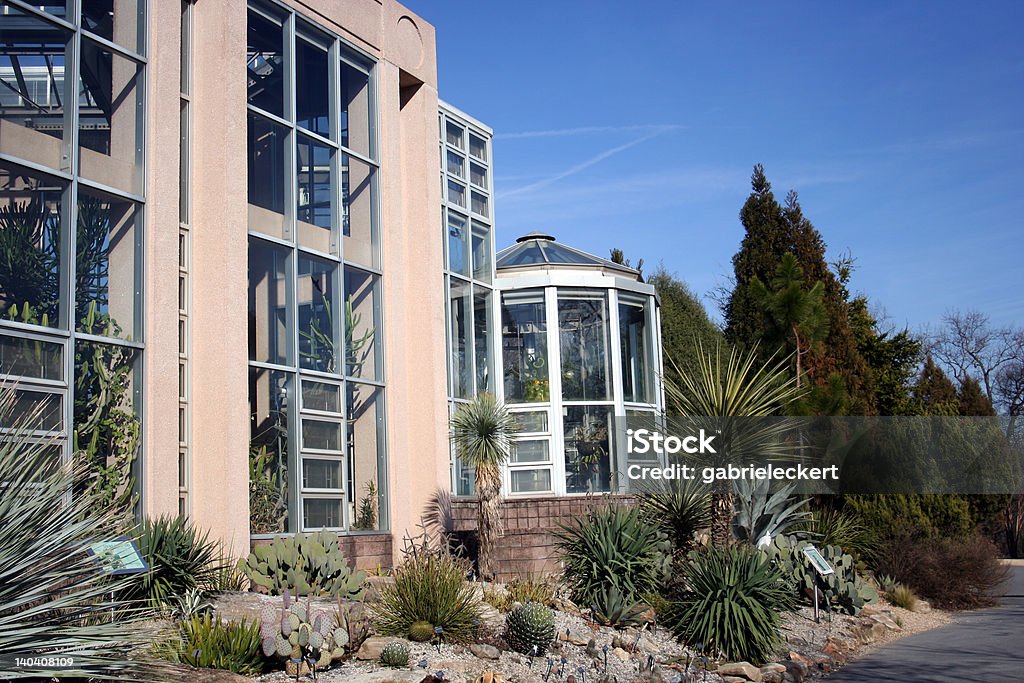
x,y
34,410
524,346
477,147
481,252
32,88
357,212
587,452
266,176
268,335
456,193
362,319
531,421
321,473
312,109
321,435
366,464
479,203
119,21
107,279
269,463
531,481
265,63
459,317
313,198
454,133
30,212
318,332
458,244
583,339
478,175
321,513
530,450
456,165
482,339
636,365
31,358
321,396
356,108
109,113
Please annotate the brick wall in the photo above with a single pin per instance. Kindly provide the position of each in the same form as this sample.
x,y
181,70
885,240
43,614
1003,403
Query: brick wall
x,y
364,551
527,546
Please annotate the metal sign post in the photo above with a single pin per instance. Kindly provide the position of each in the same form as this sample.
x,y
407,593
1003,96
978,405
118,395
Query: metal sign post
x,y
821,568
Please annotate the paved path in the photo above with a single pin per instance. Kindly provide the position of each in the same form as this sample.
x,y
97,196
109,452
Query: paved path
x,y
987,645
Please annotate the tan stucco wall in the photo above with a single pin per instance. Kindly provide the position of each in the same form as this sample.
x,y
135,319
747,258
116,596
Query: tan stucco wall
x,y
413,303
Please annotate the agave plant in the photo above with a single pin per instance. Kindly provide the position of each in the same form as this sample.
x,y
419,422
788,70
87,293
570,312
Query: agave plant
x,y
679,507
762,513
54,598
725,394
481,431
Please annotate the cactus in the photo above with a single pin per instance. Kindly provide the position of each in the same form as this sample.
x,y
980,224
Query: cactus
x,y
843,590
306,564
530,628
301,630
421,631
395,655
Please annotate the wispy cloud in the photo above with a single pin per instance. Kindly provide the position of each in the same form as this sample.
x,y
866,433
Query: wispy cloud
x,y
573,170
586,130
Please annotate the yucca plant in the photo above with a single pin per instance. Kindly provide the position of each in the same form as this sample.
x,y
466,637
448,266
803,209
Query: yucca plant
x,y
180,557
430,585
481,431
729,603
680,507
724,394
54,598
611,546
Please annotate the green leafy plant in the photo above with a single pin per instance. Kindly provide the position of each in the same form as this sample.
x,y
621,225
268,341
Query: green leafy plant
x,y
304,564
192,603
761,513
180,558
366,518
205,642
680,507
530,628
844,589
54,598
267,505
481,431
430,585
395,655
611,546
729,602
301,631
612,608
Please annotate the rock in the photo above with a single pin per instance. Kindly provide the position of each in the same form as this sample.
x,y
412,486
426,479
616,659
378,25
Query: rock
x,y
371,649
484,651
834,652
797,669
565,605
648,615
774,667
733,679
574,638
771,677
922,607
885,621
745,670
621,654
869,630
460,666
186,674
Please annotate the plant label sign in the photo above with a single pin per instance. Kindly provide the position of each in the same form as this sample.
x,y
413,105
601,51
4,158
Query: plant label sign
x,y
819,563
119,555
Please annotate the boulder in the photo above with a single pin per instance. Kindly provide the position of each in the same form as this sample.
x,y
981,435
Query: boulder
x,y
922,606
886,621
484,651
744,670
371,649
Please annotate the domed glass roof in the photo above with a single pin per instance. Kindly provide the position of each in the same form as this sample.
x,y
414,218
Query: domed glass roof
x,y
538,249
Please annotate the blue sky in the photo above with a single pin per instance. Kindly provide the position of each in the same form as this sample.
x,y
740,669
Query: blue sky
x,y
636,125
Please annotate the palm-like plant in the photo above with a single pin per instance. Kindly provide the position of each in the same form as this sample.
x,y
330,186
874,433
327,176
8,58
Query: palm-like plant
x,y
481,431
725,394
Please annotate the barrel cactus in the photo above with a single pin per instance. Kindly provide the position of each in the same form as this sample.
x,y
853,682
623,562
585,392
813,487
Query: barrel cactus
x,y
395,655
530,628
421,631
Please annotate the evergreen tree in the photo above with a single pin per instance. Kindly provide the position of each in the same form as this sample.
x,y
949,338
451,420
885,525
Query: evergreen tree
x,y
973,401
934,394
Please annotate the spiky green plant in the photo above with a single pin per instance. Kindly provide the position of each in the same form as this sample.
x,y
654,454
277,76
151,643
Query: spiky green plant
x,y
421,631
901,596
530,628
481,431
761,512
721,395
612,608
430,585
208,643
54,599
610,546
180,557
729,602
680,507
829,526
395,655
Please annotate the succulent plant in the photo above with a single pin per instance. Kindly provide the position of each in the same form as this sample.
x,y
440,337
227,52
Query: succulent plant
x,y
395,655
612,608
844,589
298,630
421,631
530,628
304,564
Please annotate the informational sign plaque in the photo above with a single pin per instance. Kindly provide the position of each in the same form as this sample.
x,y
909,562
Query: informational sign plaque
x,y
119,555
819,563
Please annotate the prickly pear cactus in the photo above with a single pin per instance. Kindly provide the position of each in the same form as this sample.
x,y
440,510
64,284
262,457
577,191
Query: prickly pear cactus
x,y
844,590
395,655
298,630
421,631
530,628
305,564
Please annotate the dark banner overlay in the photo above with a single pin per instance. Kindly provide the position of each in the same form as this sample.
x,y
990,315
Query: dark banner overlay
x,y
860,455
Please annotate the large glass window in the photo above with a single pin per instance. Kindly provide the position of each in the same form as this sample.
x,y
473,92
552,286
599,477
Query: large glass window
x,y
314,197
266,176
525,346
265,64
268,302
588,458
362,320
312,88
636,349
119,21
460,317
318,327
358,212
356,110
270,394
583,332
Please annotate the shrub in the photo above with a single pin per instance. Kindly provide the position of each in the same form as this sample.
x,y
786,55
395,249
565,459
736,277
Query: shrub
x,y
901,596
180,558
304,564
430,585
928,515
729,603
680,507
956,573
611,546
208,643
54,600
612,608
531,589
